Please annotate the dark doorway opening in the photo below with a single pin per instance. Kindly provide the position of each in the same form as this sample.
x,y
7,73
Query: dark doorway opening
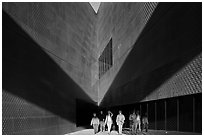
x,y
84,112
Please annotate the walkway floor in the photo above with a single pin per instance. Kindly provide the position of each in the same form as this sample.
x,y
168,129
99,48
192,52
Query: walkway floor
x,y
160,132
126,132
91,132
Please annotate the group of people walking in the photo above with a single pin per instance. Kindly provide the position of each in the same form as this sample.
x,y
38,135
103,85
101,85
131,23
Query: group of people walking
x,y
100,121
135,122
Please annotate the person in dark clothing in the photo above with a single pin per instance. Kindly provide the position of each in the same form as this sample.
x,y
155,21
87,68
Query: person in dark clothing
x,y
131,118
145,122
102,118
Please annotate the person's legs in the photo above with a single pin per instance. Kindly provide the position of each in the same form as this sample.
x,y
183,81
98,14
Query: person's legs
x,y
136,125
109,127
103,127
139,126
95,128
119,129
97,125
146,126
142,126
132,127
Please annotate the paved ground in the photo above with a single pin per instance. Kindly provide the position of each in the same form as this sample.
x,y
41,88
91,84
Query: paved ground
x,y
159,132
127,132
91,132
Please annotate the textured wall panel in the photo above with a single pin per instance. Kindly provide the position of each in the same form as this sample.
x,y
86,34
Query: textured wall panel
x,y
47,65
22,117
164,61
187,81
64,30
123,22
50,53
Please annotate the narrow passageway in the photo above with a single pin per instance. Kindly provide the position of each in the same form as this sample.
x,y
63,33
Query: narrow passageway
x,y
63,63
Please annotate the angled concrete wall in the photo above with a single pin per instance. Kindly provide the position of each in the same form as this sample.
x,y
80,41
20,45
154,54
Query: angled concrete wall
x,y
123,22
51,51
152,60
47,61
65,31
157,66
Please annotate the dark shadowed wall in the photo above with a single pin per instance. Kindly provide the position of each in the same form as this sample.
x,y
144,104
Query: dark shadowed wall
x,y
157,65
182,113
47,57
165,55
123,22
50,64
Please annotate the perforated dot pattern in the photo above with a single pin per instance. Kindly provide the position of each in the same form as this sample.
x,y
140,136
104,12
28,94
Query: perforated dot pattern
x,y
186,81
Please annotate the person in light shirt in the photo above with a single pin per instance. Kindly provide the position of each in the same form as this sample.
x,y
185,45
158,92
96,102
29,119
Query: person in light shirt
x,y
109,121
120,121
95,123
137,121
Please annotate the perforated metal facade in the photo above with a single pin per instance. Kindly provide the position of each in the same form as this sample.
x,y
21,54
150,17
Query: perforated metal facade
x,y
50,59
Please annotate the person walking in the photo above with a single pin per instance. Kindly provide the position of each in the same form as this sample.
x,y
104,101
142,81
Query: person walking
x,y
120,121
131,122
109,121
145,122
132,118
95,123
102,118
137,121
